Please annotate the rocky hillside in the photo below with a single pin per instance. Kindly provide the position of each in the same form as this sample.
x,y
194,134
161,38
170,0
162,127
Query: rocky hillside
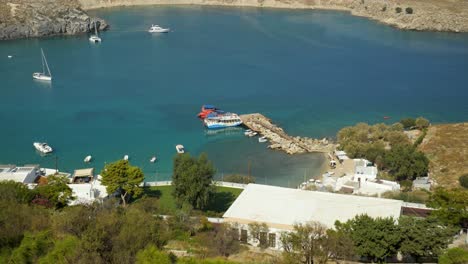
x,y
36,18
446,146
432,15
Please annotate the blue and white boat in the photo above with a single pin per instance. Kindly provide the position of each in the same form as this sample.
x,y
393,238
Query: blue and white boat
x,y
222,121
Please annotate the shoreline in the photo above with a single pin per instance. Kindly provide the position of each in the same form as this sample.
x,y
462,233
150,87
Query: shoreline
x,y
412,15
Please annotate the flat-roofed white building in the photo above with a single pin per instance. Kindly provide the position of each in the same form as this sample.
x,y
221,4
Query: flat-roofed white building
x,y
26,174
87,193
280,208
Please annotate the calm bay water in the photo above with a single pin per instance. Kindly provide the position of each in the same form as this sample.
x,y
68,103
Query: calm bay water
x,y
312,72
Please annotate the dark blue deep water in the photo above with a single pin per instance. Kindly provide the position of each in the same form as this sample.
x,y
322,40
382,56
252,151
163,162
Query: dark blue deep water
x,y
312,72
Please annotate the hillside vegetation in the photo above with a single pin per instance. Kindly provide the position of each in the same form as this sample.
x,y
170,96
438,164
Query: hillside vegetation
x,y
446,146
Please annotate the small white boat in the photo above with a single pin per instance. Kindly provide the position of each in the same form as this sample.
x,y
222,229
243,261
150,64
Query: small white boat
x,y
262,139
125,157
87,159
153,159
247,132
9,56
43,147
42,75
252,134
95,38
180,149
158,29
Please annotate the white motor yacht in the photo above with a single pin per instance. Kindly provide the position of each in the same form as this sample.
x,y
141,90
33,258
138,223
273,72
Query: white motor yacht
x,y
153,159
42,147
180,149
88,159
125,157
157,29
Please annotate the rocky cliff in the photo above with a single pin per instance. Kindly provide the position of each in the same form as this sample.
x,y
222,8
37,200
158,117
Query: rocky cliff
x,y
431,15
36,18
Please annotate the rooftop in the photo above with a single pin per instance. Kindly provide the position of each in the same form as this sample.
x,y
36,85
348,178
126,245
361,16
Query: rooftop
x,y
283,207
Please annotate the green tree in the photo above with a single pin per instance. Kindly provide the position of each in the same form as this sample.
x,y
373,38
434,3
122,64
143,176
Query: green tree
x,y
408,122
15,192
237,178
63,252
340,245
192,180
423,237
463,180
421,123
256,230
56,191
451,205
375,239
454,256
406,163
121,177
151,254
308,244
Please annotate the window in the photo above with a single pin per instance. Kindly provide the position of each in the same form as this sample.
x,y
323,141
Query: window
x,y
243,237
263,239
272,240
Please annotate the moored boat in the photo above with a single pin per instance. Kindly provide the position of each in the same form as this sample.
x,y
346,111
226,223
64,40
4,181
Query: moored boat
x,y
87,158
222,121
43,147
262,139
158,29
180,149
43,76
153,159
125,157
95,38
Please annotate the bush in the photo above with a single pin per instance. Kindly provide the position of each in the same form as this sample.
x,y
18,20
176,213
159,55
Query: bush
x,y
236,178
407,122
421,123
409,10
464,180
398,10
454,256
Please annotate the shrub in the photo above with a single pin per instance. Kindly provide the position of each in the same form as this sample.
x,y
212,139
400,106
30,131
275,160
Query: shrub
x,y
407,122
421,123
454,256
398,10
237,178
464,180
384,8
409,10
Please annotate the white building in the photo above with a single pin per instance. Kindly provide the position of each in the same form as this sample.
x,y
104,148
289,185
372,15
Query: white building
x,y
26,174
363,170
280,208
86,188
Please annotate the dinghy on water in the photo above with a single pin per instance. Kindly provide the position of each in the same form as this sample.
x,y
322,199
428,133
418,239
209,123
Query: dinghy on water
x,y
95,38
180,149
125,157
262,139
153,159
88,159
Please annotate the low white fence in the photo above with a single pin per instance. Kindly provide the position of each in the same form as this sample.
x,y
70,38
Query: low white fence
x,y
217,183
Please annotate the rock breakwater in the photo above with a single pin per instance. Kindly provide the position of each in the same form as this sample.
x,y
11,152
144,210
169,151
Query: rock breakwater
x,y
37,18
280,140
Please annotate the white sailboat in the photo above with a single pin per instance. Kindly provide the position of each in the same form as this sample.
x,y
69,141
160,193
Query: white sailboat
x,y
42,75
95,38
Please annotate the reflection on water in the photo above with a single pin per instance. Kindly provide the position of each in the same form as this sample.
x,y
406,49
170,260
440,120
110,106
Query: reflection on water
x,y
224,131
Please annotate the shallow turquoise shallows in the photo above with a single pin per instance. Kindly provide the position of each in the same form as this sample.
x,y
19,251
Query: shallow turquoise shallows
x,y
312,72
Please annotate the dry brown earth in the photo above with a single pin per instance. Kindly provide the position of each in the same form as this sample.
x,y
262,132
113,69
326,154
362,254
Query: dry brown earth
x,y
447,148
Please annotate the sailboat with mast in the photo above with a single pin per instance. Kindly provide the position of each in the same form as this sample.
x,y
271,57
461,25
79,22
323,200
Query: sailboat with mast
x,y
42,75
95,38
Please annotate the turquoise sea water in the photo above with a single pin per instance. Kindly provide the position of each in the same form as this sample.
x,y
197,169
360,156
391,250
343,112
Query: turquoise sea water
x,y
312,72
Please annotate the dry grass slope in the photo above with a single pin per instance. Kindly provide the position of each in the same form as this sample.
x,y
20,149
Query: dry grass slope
x,y
447,148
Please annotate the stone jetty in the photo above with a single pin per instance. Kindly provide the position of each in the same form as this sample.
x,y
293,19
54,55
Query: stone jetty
x,y
280,140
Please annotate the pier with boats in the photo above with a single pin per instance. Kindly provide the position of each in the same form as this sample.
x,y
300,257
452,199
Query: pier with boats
x,y
261,125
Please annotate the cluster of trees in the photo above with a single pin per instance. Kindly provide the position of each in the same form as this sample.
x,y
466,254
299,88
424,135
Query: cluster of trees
x,y
387,146
237,178
366,238
411,123
101,233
